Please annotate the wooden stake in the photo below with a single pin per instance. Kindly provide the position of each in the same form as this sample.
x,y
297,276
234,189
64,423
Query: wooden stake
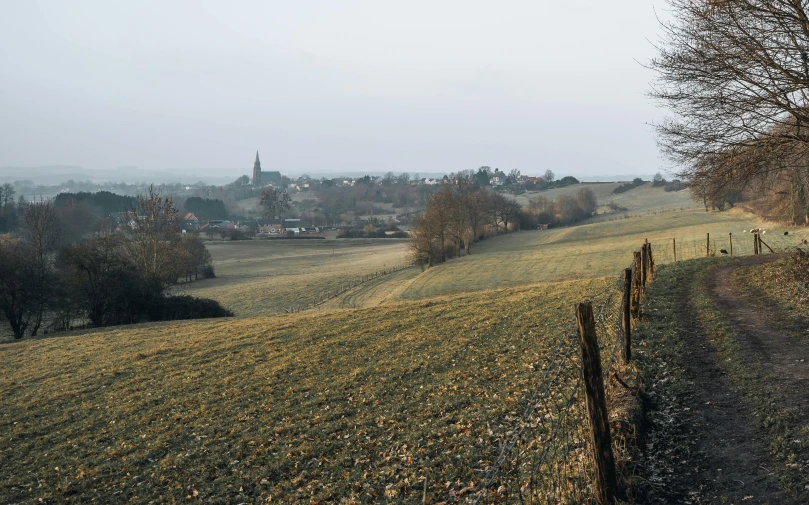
x,y
644,258
674,243
634,306
650,263
730,238
708,246
605,485
626,347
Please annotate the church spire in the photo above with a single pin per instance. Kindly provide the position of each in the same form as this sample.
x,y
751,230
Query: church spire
x,y
257,172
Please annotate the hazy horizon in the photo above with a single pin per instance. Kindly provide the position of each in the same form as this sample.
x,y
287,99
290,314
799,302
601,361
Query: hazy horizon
x,y
358,87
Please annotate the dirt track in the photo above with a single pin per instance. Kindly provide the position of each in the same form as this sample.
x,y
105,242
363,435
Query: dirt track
x,y
718,452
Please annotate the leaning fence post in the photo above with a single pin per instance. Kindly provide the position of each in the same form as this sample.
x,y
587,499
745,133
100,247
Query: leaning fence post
x,y
605,482
626,344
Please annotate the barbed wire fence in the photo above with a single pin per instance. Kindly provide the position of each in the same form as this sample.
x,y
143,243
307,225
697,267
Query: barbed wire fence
x,y
548,455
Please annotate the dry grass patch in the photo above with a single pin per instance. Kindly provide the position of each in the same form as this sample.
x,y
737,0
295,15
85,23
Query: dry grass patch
x,y
579,252
262,277
355,405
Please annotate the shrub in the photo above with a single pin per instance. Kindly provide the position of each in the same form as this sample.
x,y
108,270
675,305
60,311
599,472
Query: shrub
x,y
208,272
614,207
170,308
233,234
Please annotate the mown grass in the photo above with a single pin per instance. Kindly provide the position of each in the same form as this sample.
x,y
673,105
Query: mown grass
x,y
262,277
352,406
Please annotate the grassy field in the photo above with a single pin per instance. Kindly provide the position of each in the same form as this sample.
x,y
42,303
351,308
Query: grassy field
x,y
291,272
641,200
326,406
586,251
262,277
341,407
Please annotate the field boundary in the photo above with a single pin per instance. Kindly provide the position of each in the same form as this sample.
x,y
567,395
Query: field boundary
x,y
559,451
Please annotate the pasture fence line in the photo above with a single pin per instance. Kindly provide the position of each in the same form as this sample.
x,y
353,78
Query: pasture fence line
x,y
561,449
721,244
324,296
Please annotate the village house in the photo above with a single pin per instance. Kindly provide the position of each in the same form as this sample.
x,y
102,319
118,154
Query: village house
x,y
270,226
190,222
283,227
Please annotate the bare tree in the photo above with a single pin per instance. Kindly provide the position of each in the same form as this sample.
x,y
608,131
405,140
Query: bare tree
x,y
587,201
152,238
19,298
97,270
42,231
477,207
548,176
735,75
568,209
196,256
422,244
8,194
542,209
274,202
503,211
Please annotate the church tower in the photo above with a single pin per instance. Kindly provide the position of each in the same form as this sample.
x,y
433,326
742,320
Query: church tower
x,y
257,172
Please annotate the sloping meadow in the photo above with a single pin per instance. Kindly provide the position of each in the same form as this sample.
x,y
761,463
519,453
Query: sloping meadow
x,y
353,406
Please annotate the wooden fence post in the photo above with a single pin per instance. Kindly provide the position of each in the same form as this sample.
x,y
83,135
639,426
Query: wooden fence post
x,y
730,238
674,243
644,258
605,480
650,263
708,246
626,323
762,243
755,244
636,286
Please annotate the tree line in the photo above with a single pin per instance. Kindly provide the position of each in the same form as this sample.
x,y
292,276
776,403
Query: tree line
x,y
463,212
51,281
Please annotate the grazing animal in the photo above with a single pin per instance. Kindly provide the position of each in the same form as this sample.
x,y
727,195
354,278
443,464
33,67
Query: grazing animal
x,y
744,231
786,233
755,230
723,251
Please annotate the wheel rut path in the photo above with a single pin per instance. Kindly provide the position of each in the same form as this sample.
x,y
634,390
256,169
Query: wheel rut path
x,y
723,454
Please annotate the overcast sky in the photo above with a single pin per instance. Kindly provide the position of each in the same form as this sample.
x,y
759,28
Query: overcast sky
x,y
329,86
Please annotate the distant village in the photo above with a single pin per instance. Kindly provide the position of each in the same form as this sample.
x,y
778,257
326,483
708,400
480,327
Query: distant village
x,y
231,211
